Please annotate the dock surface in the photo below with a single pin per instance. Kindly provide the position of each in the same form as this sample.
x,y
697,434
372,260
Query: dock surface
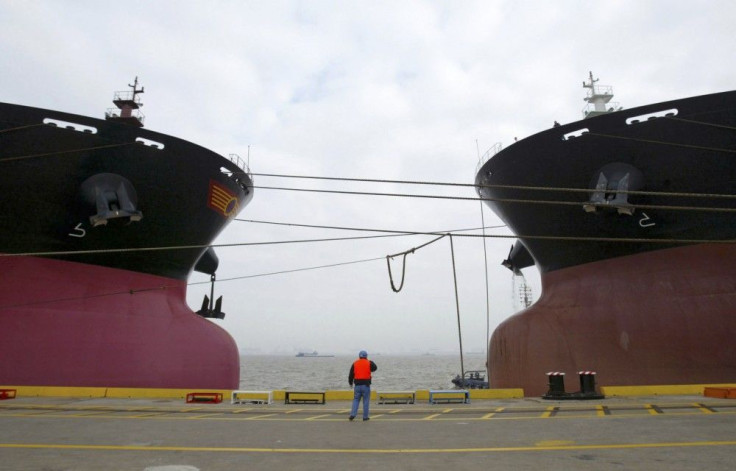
x,y
653,433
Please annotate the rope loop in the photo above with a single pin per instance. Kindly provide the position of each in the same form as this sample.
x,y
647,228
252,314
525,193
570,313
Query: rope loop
x,y
403,271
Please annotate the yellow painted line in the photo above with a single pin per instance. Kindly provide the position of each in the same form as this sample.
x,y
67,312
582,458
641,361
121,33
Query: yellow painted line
x,y
34,414
651,409
319,416
702,408
491,414
201,416
600,411
430,417
255,417
91,413
541,447
292,411
549,412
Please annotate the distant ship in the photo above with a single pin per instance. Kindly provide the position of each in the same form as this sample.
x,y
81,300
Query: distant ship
x,y
629,217
102,223
312,354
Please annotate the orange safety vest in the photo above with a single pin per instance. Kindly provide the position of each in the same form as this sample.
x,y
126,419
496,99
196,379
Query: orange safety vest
x,y
362,369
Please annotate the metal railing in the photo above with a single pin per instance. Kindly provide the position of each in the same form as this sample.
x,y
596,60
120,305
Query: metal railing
x,y
600,90
127,96
610,107
116,113
242,165
488,155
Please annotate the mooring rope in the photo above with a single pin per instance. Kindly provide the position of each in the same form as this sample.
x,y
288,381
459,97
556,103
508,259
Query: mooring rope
x,y
403,268
403,272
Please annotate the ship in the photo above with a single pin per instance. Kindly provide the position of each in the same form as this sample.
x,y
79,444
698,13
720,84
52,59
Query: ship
x,y
628,215
313,354
102,224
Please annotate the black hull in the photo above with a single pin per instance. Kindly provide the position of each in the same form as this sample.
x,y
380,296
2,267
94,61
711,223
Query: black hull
x,y
693,152
45,209
631,288
101,224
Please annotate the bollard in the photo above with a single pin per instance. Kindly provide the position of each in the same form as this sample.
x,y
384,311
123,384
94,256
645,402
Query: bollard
x,y
556,381
587,382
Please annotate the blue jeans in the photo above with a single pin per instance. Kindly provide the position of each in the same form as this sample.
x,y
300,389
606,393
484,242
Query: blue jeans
x,y
364,391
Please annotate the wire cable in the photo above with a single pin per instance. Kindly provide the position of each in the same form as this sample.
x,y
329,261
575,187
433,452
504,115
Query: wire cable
x,y
505,187
295,270
510,200
315,226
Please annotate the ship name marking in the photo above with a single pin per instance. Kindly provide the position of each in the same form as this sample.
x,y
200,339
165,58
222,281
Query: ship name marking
x,y
646,221
80,231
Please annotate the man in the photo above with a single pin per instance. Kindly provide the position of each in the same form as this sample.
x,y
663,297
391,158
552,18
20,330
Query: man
x,y
360,374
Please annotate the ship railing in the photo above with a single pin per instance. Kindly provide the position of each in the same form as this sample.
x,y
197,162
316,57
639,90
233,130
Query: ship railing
x,y
488,155
115,113
600,90
127,96
242,165
610,108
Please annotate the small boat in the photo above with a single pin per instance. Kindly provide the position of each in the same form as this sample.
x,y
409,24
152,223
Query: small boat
x,y
312,354
474,379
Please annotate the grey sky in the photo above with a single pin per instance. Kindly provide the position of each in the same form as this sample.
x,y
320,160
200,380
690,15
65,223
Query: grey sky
x,y
397,90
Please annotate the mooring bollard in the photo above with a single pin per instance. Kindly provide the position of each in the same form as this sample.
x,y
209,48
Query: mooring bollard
x,y
587,382
556,380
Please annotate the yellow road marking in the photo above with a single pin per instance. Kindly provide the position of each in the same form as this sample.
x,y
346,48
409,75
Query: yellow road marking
x,y
651,409
319,416
544,443
549,412
703,409
540,447
260,416
430,417
491,414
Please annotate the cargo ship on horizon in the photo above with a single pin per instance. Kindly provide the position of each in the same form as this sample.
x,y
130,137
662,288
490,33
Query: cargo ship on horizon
x,y
629,217
102,223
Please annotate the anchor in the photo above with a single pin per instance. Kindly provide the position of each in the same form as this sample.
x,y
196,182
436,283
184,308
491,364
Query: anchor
x,y
207,310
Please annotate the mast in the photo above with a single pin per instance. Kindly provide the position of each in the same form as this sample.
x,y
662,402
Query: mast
x,y
128,103
598,97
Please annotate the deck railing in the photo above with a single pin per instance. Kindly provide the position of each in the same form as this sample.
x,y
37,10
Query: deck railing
x,y
495,149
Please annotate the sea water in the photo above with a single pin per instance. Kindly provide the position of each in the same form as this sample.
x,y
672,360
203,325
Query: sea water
x,y
395,372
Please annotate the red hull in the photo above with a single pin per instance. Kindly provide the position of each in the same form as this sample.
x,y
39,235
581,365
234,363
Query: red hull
x,y
60,328
661,317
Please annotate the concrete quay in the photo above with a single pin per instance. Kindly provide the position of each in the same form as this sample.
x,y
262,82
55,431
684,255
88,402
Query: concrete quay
x,y
644,432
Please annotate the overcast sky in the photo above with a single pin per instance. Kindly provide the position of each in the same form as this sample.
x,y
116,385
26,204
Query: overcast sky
x,y
392,90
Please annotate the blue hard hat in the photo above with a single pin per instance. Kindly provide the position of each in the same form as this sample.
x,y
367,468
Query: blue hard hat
x,y
363,354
